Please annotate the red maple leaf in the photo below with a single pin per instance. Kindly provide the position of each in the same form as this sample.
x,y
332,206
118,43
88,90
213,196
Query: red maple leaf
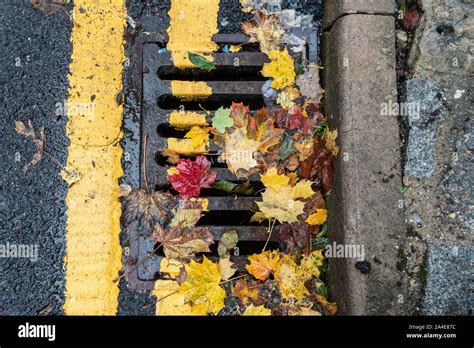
x,y
192,176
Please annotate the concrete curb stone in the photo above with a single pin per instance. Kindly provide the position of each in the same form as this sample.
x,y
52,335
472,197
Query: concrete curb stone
x,y
335,9
366,206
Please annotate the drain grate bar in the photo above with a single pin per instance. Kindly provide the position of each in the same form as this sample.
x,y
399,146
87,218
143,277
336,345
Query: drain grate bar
x,y
236,78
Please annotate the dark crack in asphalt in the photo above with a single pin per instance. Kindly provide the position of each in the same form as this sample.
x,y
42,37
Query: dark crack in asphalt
x,y
35,54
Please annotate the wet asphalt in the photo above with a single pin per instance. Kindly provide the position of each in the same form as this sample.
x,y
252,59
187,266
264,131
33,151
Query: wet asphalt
x,y
34,57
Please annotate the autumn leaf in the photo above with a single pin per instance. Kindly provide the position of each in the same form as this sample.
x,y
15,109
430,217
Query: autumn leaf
x,y
181,239
227,242
305,148
309,265
302,189
330,138
192,176
280,205
291,278
169,300
285,98
317,218
287,147
275,181
256,311
238,111
329,307
258,217
262,129
244,188
147,208
319,166
265,30
262,265
222,119
296,234
199,136
70,175
281,69
246,290
201,62
202,286
226,268
302,311
29,132
186,213
49,7
239,151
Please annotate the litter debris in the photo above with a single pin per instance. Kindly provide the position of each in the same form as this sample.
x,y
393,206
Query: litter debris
x,y
49,7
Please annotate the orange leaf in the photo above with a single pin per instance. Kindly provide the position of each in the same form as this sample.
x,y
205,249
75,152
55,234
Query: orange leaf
x,y
261,265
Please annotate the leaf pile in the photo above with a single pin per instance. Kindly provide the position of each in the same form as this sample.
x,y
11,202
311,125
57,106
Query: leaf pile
x,y
290,146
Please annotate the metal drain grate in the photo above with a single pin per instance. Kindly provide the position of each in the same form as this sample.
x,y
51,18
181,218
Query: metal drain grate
x,y
230,82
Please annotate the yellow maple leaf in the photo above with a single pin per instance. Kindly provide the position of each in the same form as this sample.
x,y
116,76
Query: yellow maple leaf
x,y
317,218
302,189
170,266
281,69
239,151
273,180
286,97
169,300
235,48
305,148
262,265
330,138
310,264
254,311
291,278
303,311
258,217
329,307
202,286
280,205
226,268
199,136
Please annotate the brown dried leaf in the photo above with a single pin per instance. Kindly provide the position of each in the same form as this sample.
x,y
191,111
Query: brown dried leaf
x,y
49,7
246,290
182,243
29,132
147,208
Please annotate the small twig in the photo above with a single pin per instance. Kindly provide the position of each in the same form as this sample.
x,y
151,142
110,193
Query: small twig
x,y
138,264
145,143
206,111
53,158
271,224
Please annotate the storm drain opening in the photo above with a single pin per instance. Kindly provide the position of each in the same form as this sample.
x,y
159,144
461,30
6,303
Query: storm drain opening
x,y
237,79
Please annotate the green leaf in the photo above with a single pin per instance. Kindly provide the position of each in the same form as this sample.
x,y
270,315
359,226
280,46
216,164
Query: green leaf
x,y
299,69
287,147
244,188
403,189
222,119
319,243
322,290
200,61
321,128
223,185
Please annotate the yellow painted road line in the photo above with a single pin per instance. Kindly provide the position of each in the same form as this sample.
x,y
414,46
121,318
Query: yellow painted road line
x,y
192,25
93,256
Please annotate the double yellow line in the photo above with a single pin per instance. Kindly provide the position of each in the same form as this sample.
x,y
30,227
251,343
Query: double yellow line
x,y
93,217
